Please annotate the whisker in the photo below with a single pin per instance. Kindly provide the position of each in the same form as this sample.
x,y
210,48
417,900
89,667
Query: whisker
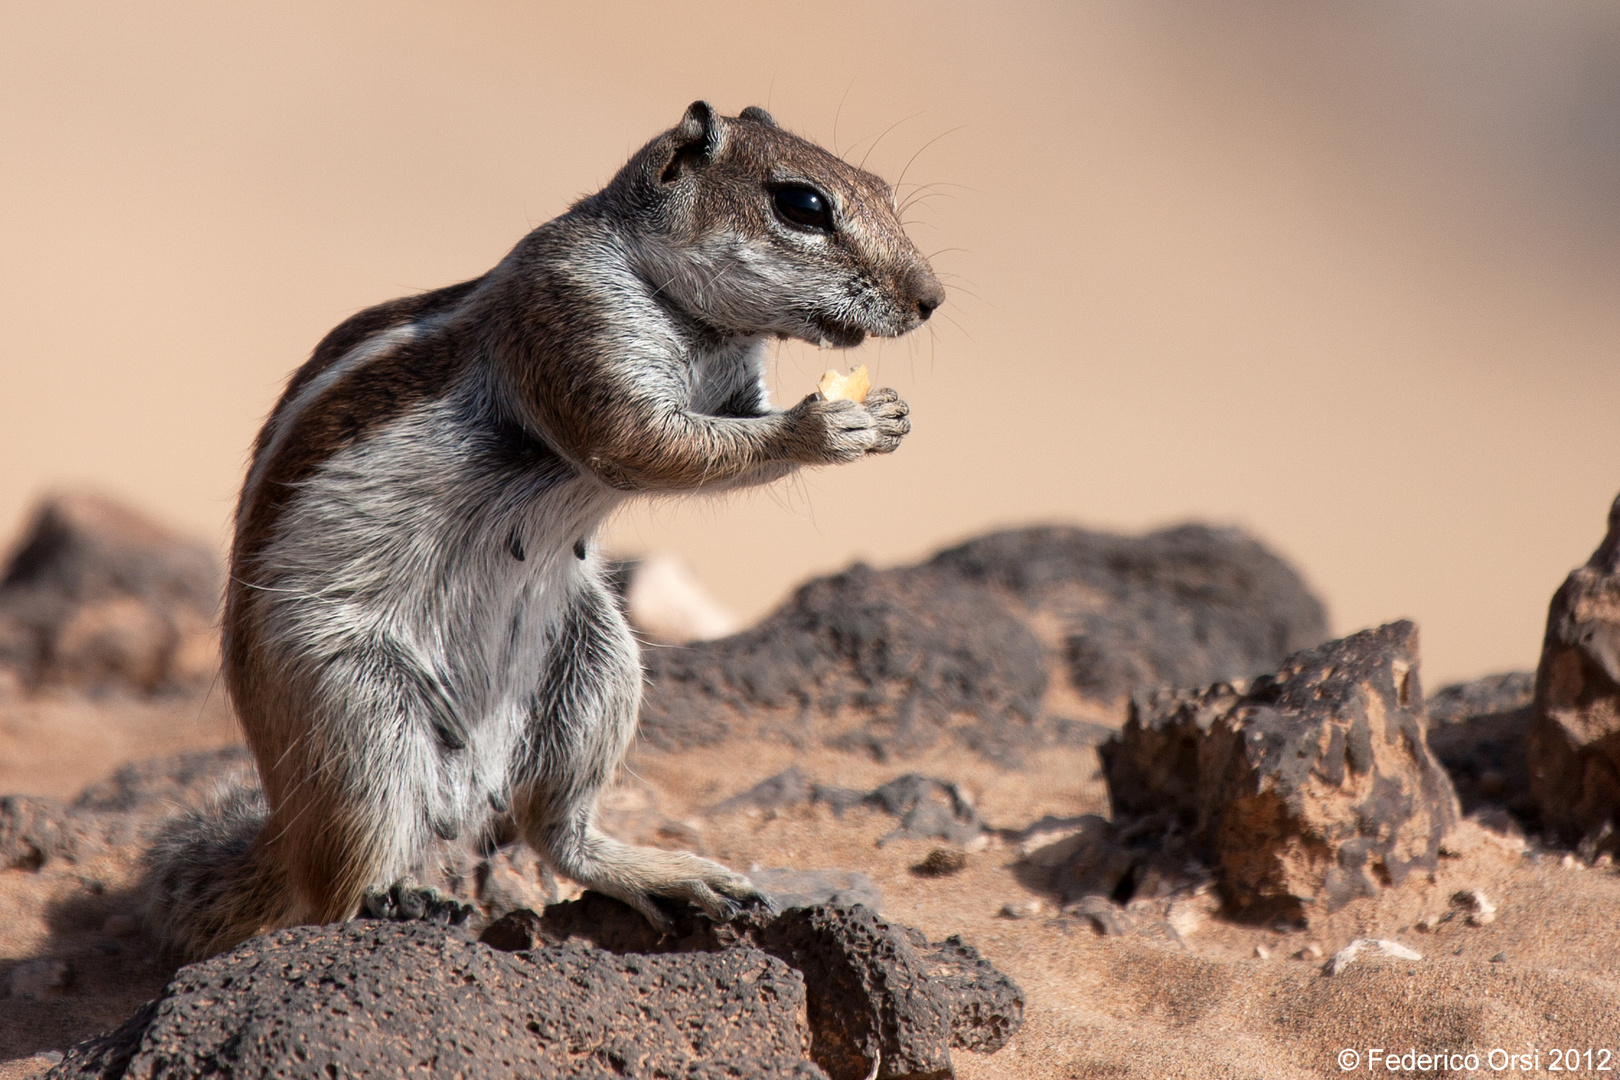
x,y
967,291
840,113
946,183
959,328
885,132
922,196
925,146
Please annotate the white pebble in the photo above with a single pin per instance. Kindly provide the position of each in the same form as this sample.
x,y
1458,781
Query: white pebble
x,y
1347,955
1021,909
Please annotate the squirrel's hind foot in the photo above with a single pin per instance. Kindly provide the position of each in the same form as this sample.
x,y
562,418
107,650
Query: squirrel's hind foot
x,y
407,901
719,893
641,877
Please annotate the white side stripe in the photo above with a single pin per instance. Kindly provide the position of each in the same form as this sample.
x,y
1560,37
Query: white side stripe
x,y
372,347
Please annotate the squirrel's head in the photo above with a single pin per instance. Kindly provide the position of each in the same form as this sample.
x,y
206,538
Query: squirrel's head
x,y
752,230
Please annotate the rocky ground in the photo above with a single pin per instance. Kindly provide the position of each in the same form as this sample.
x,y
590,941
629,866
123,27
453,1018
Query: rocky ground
x,y
1050,804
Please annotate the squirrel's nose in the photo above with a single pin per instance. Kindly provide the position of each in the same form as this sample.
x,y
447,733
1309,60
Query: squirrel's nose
x,y
930,294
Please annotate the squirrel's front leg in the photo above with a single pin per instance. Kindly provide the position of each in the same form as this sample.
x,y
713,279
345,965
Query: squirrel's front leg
x,y
821,432
676,449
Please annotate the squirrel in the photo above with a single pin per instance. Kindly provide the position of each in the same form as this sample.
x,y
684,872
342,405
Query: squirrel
x,y
418,638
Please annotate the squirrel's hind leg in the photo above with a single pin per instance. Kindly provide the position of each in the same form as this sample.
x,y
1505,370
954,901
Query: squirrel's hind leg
x,y
584,718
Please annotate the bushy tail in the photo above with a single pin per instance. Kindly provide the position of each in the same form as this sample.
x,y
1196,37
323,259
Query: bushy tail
x,y
208,886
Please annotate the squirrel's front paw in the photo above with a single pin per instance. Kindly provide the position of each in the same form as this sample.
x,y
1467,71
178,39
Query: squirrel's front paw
x,y
844,430
892,416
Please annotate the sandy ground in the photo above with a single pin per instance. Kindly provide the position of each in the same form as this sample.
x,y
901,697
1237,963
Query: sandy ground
x,y
1225,1000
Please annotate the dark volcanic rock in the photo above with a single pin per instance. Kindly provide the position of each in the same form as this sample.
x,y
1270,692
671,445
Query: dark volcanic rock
x,y
35,831
117,810
911,1001
928,809
964,646
878,992
1086,857
1487,696
587,990
790,787
98,597
163,785
1477,729
1313,787
396,999
1574,741
941,862
515,931
912,654
1185,606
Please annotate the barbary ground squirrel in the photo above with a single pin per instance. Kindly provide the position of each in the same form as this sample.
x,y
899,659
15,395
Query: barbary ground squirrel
x,y
417,635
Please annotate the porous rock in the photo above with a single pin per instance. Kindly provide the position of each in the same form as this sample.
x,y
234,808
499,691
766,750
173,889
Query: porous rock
x,y
96,596
1183,606
1313,786
377,998
514,931
963,647
163,785
928,809
1477,729
117,810
36,830
1076,857
879,994
882,662
1574,741
941,862
788,788
587,989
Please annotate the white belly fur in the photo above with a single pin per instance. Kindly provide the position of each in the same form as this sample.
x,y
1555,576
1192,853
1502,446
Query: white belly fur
x,y
406,538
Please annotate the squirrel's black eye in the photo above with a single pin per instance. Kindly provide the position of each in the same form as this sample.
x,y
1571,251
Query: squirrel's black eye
x,y
804,207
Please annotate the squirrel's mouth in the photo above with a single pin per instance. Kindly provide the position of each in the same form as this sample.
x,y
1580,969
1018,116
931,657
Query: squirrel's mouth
x,y
840,335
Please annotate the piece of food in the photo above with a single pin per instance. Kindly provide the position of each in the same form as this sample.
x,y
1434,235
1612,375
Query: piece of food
x,y
853,387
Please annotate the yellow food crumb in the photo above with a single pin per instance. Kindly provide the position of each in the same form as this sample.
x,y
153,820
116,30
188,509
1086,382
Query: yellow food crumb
x,y
854,386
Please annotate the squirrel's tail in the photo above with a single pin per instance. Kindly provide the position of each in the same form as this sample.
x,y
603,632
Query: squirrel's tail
x,y
208,886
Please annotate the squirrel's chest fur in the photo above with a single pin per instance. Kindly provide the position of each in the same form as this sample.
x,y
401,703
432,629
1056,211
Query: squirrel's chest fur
x,y
441,540
446,536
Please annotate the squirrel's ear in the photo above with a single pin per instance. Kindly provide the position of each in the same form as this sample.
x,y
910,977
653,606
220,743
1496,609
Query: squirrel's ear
x,y
754,112
696,140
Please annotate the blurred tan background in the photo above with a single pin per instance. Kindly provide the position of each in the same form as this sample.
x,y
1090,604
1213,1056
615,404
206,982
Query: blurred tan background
x,y
1346,275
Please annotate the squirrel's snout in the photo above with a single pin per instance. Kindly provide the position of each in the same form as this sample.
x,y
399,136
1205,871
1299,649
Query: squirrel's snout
x,y
929,294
